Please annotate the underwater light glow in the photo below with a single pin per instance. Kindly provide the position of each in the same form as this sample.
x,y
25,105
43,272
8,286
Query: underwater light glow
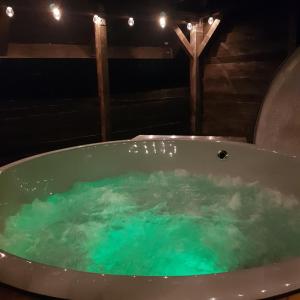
x,y
183,225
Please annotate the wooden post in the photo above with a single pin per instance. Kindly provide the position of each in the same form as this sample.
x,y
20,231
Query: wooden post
x,y
103,77
196,36
183,41
194,49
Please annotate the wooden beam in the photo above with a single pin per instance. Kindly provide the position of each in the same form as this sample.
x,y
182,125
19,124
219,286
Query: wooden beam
x,y
183,41
49,51
103,77
140,53
194,48
208,36
196,36
83,51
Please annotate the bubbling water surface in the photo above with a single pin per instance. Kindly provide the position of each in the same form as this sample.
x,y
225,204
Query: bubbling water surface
x,y
158,224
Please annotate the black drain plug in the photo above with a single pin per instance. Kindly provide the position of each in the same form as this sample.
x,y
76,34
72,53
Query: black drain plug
x,y
222,154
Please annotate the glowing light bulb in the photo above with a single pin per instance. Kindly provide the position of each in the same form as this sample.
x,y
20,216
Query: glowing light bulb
x,y
9,11
163,20
210,20
56,11
96,19
131,21
189,26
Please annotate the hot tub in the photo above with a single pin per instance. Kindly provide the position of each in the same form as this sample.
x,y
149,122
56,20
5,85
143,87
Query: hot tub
x,y
55,172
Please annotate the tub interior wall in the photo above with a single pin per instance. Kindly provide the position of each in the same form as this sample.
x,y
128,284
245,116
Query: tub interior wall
x,y
56,172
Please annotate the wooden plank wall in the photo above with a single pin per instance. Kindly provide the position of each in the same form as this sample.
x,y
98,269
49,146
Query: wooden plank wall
x,y
31,126
157,112
239,67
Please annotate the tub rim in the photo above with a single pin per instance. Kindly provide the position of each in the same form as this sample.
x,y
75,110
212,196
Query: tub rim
x,y
268,277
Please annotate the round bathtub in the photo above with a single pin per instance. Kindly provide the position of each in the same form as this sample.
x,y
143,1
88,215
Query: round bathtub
x,y
55,172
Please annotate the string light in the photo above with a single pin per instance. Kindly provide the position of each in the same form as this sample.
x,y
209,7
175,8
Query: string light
x,y
163,20
210,20
131,21
9,11
57,14
56,11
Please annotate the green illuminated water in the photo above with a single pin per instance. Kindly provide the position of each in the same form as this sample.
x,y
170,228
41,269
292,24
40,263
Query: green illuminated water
x,y
163,223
